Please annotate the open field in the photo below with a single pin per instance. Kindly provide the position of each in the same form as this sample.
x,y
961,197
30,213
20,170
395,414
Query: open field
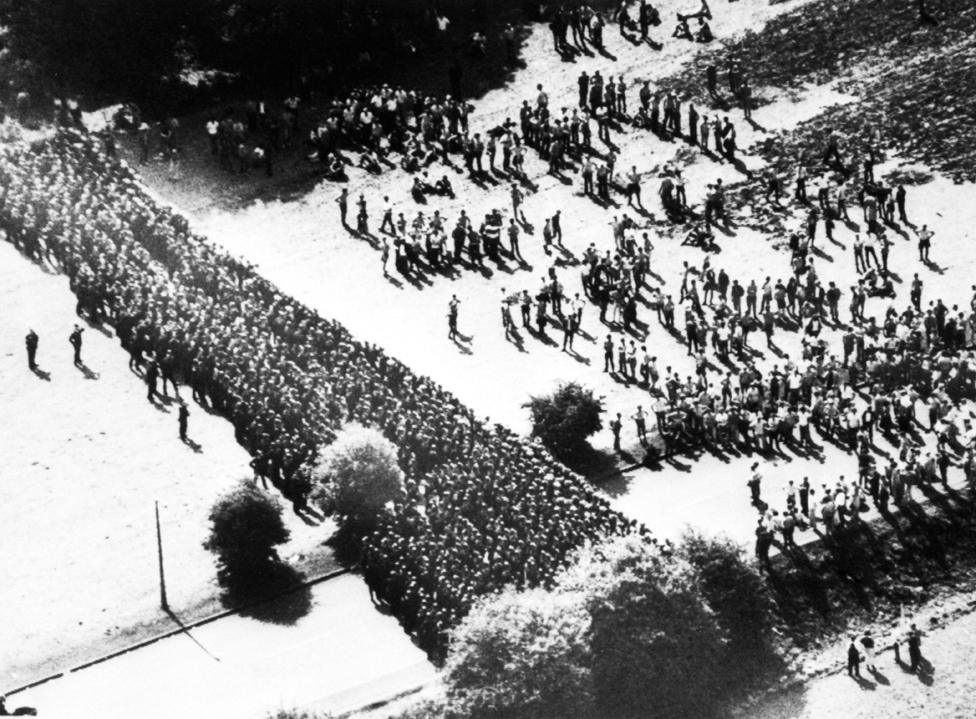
x,y
86,456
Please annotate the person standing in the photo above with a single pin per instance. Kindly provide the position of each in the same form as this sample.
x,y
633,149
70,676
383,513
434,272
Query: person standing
x,y
570,326
361,217
608,365
525,303
75,339
387,216
343,202
853,659
452,317
507,324
615,427
557,230
755,484
867,649
31,341
184,416
924,243
513,240
517,198
583,82
804,495
916,293
914,647
152,376
641,422
900,202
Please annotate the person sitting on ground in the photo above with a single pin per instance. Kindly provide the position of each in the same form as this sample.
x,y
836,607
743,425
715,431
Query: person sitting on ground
x,y
369,162
642,120
681,30
878,286
704,33
334,169
417,190
700,236
443,187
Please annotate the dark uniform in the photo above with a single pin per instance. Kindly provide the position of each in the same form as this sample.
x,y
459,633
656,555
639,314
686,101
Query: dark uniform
x,y
31,342
152,376
183,417
75,340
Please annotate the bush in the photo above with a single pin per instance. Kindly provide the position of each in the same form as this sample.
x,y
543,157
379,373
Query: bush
x,y
738,595
654,640
521,653
624,633
245,528
358,475
565,419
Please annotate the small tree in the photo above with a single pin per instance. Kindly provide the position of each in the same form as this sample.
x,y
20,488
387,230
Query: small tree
x,y
245,528
738,595
565,419
654,641
358,475
521,654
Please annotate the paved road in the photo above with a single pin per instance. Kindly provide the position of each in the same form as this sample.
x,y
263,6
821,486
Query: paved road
x,y
340,656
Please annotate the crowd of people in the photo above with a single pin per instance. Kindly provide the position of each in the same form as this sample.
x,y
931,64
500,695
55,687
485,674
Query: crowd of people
x,y
288,379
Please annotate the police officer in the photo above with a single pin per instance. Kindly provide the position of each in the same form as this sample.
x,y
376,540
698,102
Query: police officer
x,y
183,418
31,341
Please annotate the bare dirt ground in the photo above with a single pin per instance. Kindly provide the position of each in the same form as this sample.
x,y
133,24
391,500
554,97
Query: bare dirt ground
x,y
942,689
85,458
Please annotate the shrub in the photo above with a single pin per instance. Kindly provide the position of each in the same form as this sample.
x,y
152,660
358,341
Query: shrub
x,y
654,640
565,419
625,629
358,475
738,595
245,528
521,653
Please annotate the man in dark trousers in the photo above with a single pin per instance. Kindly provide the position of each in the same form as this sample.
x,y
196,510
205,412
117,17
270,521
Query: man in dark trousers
x,y
755,484
900,202
583,82
183,418
31,341
152,376
615,426
75,340
853,659
452,317
914,647
764,540
343,202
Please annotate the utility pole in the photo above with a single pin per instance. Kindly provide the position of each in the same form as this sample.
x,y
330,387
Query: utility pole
x,y
162,577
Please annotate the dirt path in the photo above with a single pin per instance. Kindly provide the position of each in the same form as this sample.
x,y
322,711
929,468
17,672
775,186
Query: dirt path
x,y
944,690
